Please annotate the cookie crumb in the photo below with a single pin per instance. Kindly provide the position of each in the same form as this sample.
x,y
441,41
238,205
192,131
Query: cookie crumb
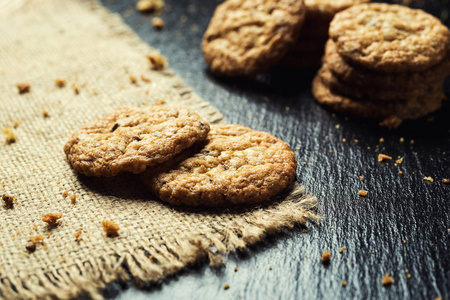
x,y
235,269
399,161
51,219
35,228
338,126
428,178
133,79
158,23
344,283
412,141
60,83
73,198
111,228
356,141
157,61
226,286
287,108
45,113
37,239
64,194
11,137
383,157
31,247
160,102
387,280
342,249
305,230
16,124
344,140
401,172
9,200
149,5
326,257
445,180
145,78
75,88
78,234
402,140
270,268
381,140
23,88
362,193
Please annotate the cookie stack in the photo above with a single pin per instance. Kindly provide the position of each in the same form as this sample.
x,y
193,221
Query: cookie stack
x,y
307,51
384,61
181,158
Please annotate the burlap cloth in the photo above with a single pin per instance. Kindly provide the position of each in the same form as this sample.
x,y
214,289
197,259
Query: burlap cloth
x,y
82,43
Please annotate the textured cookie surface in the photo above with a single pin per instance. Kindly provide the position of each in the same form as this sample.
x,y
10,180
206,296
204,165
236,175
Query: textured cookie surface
x,y
367,78
132,138
412,109
389,38
236,165
326,9
246,37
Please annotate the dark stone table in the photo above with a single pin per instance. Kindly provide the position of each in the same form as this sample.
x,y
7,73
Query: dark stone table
x,y
403,223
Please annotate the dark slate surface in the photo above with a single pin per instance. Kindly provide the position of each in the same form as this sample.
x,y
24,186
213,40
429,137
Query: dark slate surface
x,y
403,223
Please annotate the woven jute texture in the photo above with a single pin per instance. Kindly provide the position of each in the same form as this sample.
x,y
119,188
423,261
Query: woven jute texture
x,y
82,43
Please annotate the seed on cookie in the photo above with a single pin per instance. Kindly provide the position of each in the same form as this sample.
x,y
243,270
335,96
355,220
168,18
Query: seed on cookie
x,y
390,38
235,165
133,138
247,37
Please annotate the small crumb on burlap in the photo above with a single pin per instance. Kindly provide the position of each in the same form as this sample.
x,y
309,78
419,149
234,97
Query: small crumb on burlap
x,y
73,198
326,257
45,113
51,219
9,200
11,137
145,78
16,124
157,61
133,79
149,5
387,280
75,88
160,102
111,228
362,193
158,23
226,286
445,180
60,83
23,87
65,194
34,240
428,178
383,157
78,234
344,283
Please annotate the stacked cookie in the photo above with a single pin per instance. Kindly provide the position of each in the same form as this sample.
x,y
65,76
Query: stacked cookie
x,y
184,160
307,51
384,61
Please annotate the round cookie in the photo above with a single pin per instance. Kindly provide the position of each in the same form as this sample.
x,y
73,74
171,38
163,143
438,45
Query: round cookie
x,y
411,109
247,37
389,38
402,81
369,93
326,9
132,138
235,165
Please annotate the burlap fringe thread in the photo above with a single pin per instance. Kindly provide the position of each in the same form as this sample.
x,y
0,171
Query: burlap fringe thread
x,y
158,259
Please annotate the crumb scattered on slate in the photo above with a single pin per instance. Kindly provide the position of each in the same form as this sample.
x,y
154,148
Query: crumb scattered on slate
x,y
381,140
111,228
445,180
344,283
23,87
362,193
51,219
342,249
11,137
158,23
157,61
235,269
387,280
60,83
399,161
428,178
326,257
383,157
149,5
226,286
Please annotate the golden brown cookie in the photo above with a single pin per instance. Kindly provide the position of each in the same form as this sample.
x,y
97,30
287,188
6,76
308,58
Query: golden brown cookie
x,y
359,76
235,165
132,138
412,109
370,93
326,9
389,38
247,37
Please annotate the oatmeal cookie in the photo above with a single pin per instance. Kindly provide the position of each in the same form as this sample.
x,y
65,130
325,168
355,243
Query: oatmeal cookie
x,y
235,165
326,9
370,93
402,81
389,38
412,109
133,138
247,37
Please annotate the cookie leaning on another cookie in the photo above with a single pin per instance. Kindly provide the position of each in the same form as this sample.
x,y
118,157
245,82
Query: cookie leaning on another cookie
x,y
235,165
247,37
133,138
